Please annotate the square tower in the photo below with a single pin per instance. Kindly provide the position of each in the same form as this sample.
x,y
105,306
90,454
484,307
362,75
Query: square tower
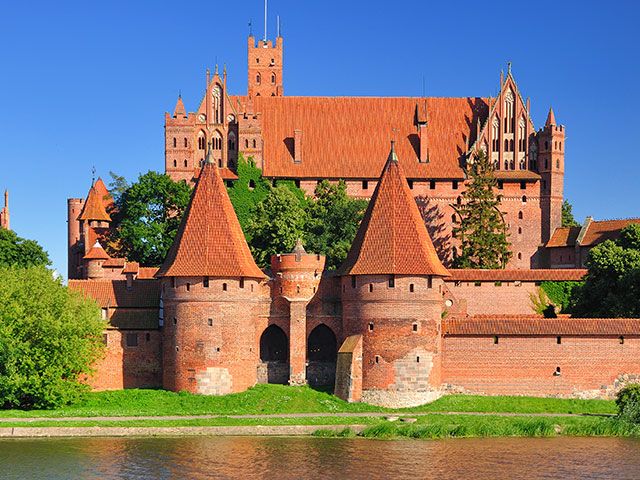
x,y
265,68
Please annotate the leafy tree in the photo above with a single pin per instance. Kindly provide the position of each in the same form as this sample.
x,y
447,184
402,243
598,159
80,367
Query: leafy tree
x,y
567,215
146,216
559,293
248,190
332,222
50,337
18,252
612,286
117,186
276,225
479,225
628,403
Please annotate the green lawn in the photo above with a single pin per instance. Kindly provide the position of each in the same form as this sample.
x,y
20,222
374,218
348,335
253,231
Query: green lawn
x,y
280,399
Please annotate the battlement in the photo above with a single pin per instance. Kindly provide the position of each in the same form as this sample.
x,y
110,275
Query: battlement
x,y
265,44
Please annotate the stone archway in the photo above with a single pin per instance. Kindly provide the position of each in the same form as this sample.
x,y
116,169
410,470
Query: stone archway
x,y
274,356
322,353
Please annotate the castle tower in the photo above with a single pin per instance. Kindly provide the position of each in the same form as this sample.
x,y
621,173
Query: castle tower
x,y
93,261
392,297
551,141
297,277
4,213
213,292
265,68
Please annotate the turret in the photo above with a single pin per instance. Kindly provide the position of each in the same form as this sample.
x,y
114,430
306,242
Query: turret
x,y
297,276
392,291
551,141
213,295
93,261
4,213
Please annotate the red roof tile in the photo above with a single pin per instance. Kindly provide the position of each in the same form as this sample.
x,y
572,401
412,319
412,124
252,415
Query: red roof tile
x,y
114,293
564,237
147,272
96,253
538,275
104,194
209,241
131,267
600,231
179,110
538,325
94,208
516,175
392,238
225,173
358,130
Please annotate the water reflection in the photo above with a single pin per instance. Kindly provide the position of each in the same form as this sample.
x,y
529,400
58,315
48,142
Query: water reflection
x,y
311,458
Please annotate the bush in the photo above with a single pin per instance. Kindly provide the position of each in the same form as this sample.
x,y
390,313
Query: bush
x,y
50,337
628,403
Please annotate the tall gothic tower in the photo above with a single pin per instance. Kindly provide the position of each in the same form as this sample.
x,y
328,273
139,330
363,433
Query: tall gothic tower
x,y
551,141
265,68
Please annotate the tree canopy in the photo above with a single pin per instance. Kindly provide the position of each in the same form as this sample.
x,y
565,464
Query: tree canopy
x,y
146,217
479,225
612,286
50,338
18,252
567,215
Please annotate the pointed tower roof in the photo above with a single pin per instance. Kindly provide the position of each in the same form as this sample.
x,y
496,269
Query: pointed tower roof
x,y
96,253
209,241
551,118
179,110
392,238
94,206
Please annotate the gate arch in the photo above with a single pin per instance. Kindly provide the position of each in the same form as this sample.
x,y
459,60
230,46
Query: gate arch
x,y
322,354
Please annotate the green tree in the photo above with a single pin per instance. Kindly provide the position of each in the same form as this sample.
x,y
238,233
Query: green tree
x,y
18,252
567,215
332,222
479,223
247,191
612,286
50,337
146,216
277,223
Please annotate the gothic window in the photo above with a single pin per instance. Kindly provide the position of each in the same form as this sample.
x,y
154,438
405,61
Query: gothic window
x,y
520,215
508,107
216,94
506,165
557,163
522,164
174,142
185,143
232,141
246,143
202,141
495,135
175,164
217,141
254,143
185,164
506,145
273,78
512,165
524,199
258,79
533,155
522,142
511,145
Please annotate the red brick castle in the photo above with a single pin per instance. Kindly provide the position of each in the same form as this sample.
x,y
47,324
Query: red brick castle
x,y
392,326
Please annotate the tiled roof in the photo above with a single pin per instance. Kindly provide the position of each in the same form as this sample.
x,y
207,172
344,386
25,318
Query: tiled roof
x,y
179,110
114,263
147,272
131,267
392,238
104,194
358,130
209,241
564,237
598,232
94,207
517,175
96,253
225,173
114,293
551,118
538,325
538,275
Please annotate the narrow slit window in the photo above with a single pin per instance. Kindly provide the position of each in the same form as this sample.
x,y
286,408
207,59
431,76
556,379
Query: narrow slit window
x,y
205,282
370,326
411,287
370,287
392,281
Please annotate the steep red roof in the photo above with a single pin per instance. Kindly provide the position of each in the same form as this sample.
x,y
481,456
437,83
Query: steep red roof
x,y
538,325
103,194
358,130
114,293
392,238
210,241
538,275
600,231
96,253
179,110
551,118
94,207
564,237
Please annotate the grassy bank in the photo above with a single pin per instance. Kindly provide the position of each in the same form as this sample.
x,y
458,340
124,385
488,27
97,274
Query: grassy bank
x,y
466,426
279,399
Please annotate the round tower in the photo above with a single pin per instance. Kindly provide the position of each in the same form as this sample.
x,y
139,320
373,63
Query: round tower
x,y
392,288
297,276
94,259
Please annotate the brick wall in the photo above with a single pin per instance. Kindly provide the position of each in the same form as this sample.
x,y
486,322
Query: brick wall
x,y
484,298
519,365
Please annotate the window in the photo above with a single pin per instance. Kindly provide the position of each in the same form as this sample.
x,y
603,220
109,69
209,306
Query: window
x,y
429,282
392,281
557,163
370,287
371,326
205,282
559,340
519,256
557,372
173,282
411,288
297,183
224,287
459,201
273,78
417,359
147,337
524,199
210,322
432,185
519,230
185,143
454,185
500,184
377,359
258,79
495,135
365,185
495,339
246,143
520,216
453,218
105,313
185,164
506,165
175,164
415,327
523,185
353,281
621,340
254,143
188,286
174,142
241,282
132,339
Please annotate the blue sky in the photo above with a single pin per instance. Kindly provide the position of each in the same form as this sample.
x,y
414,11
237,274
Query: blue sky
x,y
86,84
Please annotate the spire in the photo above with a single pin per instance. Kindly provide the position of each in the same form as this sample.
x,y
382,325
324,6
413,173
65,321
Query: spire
x,y
210,160
551,119
392,238
299,249
209,241
6,198
392,154
94,205
179,110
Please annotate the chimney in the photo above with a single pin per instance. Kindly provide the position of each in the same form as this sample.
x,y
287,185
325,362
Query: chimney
x,y
424,144
129,281
297,146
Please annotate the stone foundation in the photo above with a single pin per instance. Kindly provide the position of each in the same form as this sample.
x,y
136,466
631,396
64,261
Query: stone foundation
x,y
399,399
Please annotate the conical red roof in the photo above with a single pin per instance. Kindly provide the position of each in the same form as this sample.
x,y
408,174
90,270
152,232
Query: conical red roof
x,y
210,241
551,118
94,206
392,238
179,110
96,253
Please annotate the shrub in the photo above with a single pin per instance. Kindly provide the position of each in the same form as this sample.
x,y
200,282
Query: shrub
x,y
628,403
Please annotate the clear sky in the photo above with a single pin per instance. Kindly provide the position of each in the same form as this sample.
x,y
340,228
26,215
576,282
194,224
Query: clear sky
x,y
87,83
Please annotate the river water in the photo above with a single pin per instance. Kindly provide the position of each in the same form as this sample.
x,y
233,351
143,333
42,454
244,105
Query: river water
x,y
317,458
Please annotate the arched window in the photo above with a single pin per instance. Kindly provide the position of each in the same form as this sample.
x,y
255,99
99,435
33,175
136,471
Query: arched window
x,y
185,164
506,165
254,143
506,145
217,141
511,145
174,142
258,79
512,165
557,163
175,164
509,119
232,142
520,216
220,163
185,143
202,140
273,78
519,230
495,135
322,345
453,218
246,143
522,141
524,199
522,164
